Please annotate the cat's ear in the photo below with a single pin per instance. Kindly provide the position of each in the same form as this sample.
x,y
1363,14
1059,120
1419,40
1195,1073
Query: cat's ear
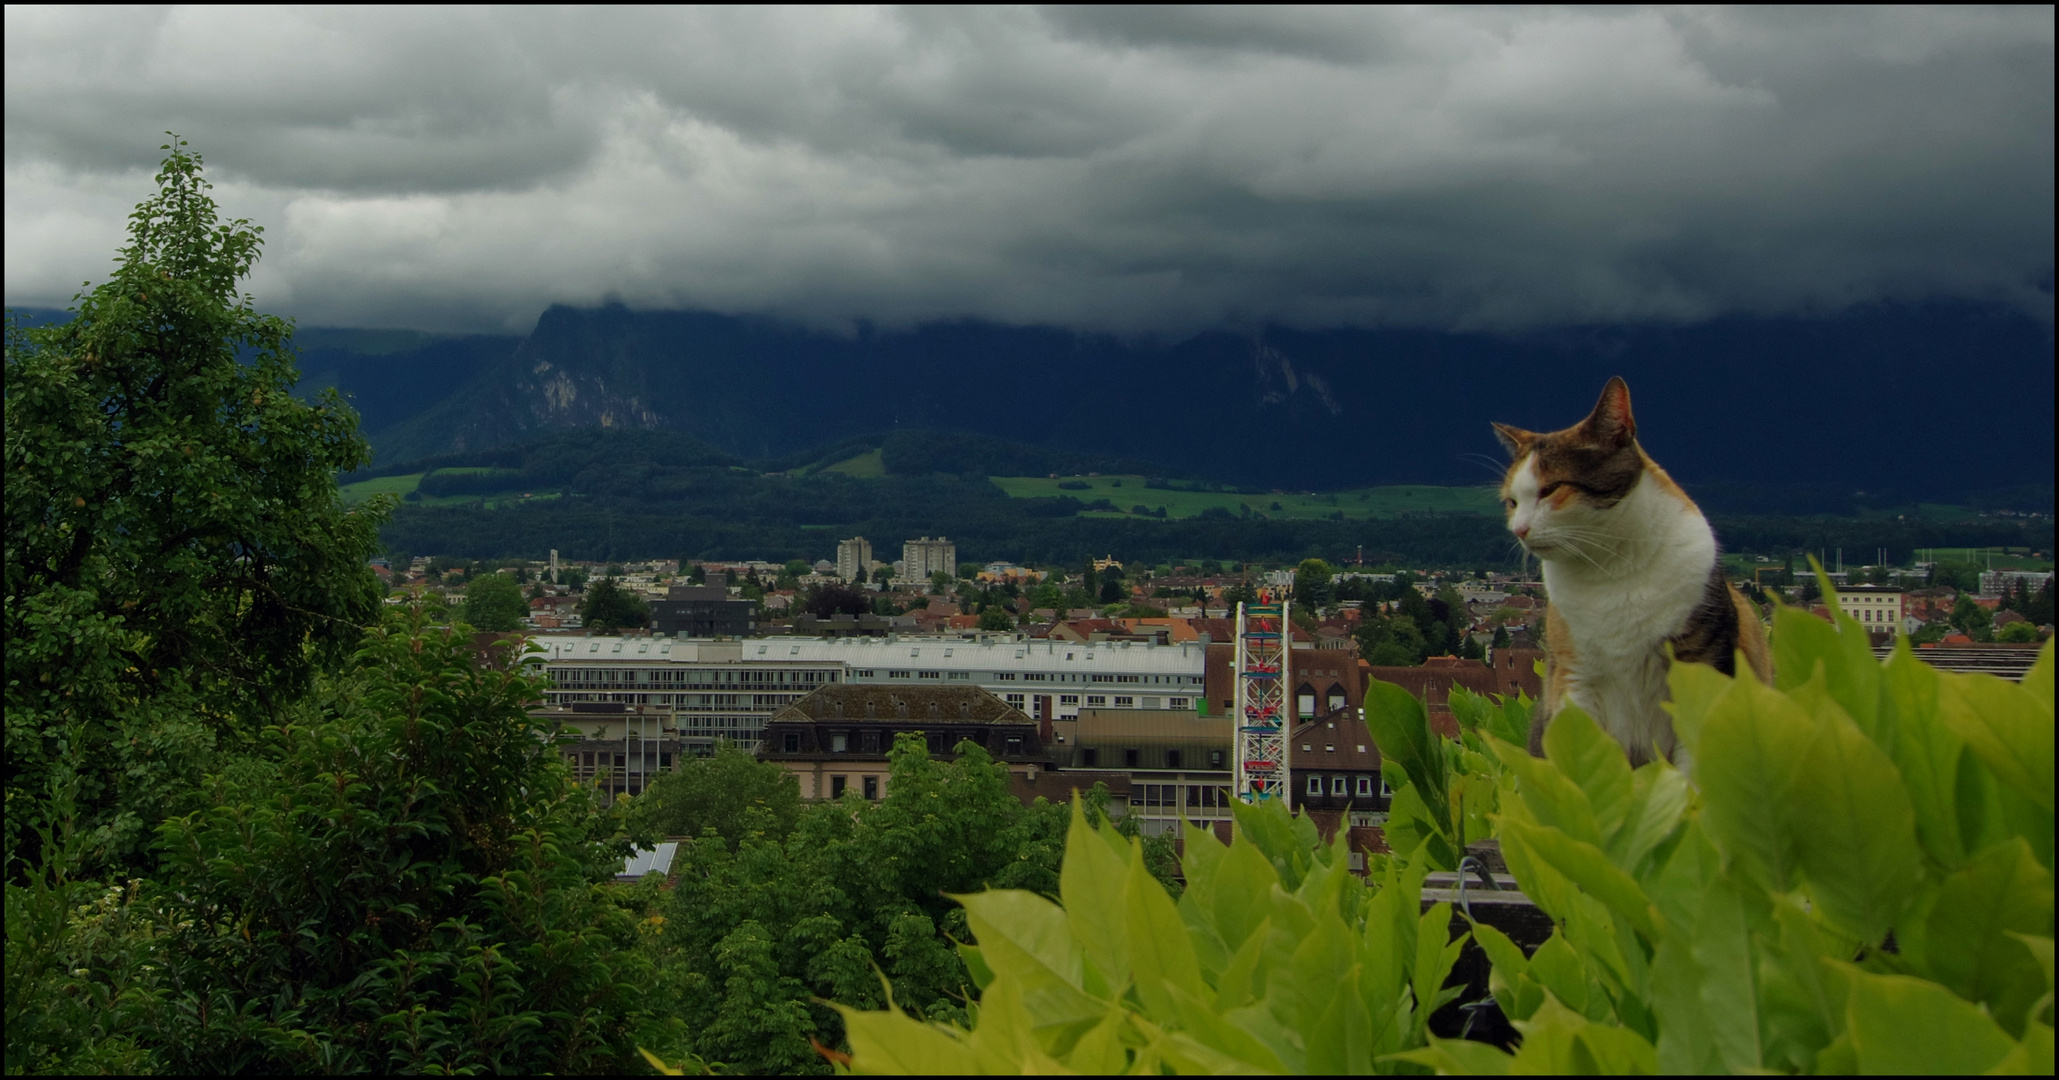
x,y
1611,423
1514,439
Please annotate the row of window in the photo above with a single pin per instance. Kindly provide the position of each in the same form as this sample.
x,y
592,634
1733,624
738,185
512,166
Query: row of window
x,y
1036,676
1180,796
840,784
691,677
1344,786
1132,758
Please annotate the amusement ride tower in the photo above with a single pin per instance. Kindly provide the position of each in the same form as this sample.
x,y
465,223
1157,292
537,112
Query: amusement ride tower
x,y
1261,715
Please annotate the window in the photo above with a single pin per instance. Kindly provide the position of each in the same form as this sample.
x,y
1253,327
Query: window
x,y
869,741
872,787
793,742
1090,757
1012,747
1015,701
897,674
1095,700
1315,785
1365,786
1068,699
836,787
1125,702
1172,759
1004,676
1329,748
1340,785
1176,703
929,675
1129,758
1215,759
839,743
1307,749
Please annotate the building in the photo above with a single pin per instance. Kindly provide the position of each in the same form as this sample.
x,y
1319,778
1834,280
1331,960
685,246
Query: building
x,y
836,740
703,611
691,693
1878,608
1995,583
921,558
853,558
1175,764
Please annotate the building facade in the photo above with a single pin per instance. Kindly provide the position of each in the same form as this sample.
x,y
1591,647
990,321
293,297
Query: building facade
x,y
703,611
695,692
837,740
853,558
921,558
1877,607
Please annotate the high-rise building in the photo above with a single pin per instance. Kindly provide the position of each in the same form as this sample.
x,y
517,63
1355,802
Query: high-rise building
x,y
921,558
853,558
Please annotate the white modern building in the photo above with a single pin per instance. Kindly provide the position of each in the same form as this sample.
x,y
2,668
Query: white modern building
x,y
701,691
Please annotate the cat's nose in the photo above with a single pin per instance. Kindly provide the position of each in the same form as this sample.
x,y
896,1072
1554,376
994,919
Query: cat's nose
x,y
1522,531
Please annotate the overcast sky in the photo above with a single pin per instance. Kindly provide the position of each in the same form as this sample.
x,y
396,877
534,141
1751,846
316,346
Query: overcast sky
x,y
1150,170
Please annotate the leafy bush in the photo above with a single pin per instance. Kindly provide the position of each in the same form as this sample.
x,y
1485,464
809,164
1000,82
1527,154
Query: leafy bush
x,y
1859,879
1275,958
1862,882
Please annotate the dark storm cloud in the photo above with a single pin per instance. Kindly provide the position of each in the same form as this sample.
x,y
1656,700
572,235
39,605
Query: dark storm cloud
x,y
1133,169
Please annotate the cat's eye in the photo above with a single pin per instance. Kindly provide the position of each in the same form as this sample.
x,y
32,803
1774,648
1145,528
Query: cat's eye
x,y
1545,491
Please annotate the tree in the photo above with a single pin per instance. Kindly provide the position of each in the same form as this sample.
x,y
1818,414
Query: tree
x,y
179,562
1312,582
883,575
1501,636
940,583
996,618
731,795
835,598
609,607
2019,633
1971,618
469,935
494,602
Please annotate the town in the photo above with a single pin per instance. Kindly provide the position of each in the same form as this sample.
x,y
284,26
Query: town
x,y
1099,673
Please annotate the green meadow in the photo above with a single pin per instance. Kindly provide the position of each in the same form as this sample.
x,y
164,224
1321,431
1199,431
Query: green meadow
x,y
1357,504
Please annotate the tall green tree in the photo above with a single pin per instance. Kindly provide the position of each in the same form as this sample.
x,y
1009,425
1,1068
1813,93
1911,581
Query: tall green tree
x,y
732,794
494,602
609,607
179,562
1312,583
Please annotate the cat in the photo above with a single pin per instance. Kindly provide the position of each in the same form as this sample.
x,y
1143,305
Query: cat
x,y
1630,569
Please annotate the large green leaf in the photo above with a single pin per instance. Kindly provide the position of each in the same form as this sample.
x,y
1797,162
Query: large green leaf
x,y
1596,764
1436,952
1854,828
1401,730
1753,741
1335,1026
1160,953
1691,691
1244,885
1659,797
1802,642
1901,1026
1552,797
1801,1011
2007,726
1970,943
890,1043
1926,753
1091,882
1727,990
1457,1057
1587,867
1559,1041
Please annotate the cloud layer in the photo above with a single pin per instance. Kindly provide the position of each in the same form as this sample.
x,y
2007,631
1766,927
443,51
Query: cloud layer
x,y
1146,170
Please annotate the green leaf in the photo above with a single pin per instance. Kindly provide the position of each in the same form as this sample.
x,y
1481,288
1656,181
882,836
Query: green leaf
x,y
1854,829
890,1043
1160,953
1244,884
1401,729
2006,726
1851,675
1436,952
1557,968
1335,1025
1595,763
2037,682
1801,1011
1005,1040
2032,1056
1659,797
1691,690
1903,1025
1100,1051
1753,741
1586,866
1457,1057
1970,939
1553,798
1219,1035
1703,990
1091,882
1926,753
1559,1041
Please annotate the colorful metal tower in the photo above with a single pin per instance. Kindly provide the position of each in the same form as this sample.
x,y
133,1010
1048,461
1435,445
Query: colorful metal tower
x,y
1262,714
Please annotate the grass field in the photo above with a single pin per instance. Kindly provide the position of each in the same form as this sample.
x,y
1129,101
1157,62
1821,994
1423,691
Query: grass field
x,y
400,486
381,485
1357,505
866,466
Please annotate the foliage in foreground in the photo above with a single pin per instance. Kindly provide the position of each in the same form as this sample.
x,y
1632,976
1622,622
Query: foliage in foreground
x,y
179,563
1275,958
1858,880
409,880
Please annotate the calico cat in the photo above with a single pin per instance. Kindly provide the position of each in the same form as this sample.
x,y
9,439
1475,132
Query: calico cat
x,y
1630,567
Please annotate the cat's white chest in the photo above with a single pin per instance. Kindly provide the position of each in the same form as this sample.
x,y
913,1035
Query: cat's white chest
x,y
1619,615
